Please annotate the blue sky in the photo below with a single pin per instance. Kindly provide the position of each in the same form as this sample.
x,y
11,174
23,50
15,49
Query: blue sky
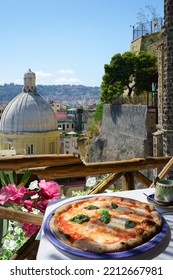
x,y
65,41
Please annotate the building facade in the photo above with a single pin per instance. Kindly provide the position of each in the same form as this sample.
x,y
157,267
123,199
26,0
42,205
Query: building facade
x,y
28,124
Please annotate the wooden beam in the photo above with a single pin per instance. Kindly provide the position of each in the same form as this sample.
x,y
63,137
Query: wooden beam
x,y
128,183
29,249
150,161
38,161
20,216
106,183
25,162
91,169
142,178
163,172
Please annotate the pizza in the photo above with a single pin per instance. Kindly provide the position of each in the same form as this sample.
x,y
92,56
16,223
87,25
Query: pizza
x,y
104,224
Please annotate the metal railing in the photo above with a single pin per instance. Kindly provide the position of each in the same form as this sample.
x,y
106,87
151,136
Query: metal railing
x,y
147,28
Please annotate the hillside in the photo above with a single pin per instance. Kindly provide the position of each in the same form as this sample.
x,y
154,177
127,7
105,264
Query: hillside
x,y
67,94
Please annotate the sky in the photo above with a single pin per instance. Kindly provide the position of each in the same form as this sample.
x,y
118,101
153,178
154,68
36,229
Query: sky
x,y
66,41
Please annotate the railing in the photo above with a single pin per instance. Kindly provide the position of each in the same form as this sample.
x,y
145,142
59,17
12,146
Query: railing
x,y
69,166
147,28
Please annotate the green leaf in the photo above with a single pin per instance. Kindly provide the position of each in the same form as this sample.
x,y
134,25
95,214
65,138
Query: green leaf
x,y
114,205
103,212
12,177
8,177
3,178
81,218
91,207
25,178
105,218
130,224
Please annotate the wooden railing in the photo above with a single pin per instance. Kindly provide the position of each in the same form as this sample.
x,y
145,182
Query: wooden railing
x,y
70,166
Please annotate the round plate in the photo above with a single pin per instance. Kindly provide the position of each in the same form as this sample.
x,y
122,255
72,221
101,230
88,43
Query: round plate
x,y
74,252
151,199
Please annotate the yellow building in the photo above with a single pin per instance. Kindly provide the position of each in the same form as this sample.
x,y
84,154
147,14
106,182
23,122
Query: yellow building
x,y
28,124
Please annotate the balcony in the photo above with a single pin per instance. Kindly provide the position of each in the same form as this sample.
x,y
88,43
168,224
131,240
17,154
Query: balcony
x,y
68,166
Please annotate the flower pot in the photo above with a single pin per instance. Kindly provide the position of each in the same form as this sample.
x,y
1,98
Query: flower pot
x,y
3,230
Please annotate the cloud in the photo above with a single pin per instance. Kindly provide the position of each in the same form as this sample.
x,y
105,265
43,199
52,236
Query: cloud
x,y
41,74
65,71
65,79
68,81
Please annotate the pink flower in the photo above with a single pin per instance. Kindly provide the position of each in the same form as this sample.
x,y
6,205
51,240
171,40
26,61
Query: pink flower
x,y
34,198
20,194
31,193
49,190
29,229
28,204
11,194
41,205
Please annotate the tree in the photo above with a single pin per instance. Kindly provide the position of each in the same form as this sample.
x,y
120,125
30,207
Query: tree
x,y
143,17
98,113
130,72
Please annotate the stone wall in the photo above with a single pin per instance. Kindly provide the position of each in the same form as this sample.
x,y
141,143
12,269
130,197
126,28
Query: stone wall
x,y
168,80
126,132
160,80
148,43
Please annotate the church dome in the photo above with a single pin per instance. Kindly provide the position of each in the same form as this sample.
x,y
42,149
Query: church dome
x,y
28,112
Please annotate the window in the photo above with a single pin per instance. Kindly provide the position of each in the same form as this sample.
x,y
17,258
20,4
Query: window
x,y
67,144
73,144
30,149
51,147
10,146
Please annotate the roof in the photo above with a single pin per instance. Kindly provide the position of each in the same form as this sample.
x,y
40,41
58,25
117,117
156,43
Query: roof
x,y
63,116
28,112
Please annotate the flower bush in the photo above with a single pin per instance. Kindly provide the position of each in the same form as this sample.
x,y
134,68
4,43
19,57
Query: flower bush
x,y
33,199
14,239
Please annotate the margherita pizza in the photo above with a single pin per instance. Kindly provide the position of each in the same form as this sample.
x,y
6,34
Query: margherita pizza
x,y
103,224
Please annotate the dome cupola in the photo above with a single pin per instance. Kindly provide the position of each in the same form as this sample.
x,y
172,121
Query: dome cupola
x,y
29,81
28,112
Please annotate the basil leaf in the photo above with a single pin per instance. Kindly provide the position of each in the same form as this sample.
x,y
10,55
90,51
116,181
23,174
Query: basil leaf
x,y
103,212
105,218
130,224
114,205
91,207
79,219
